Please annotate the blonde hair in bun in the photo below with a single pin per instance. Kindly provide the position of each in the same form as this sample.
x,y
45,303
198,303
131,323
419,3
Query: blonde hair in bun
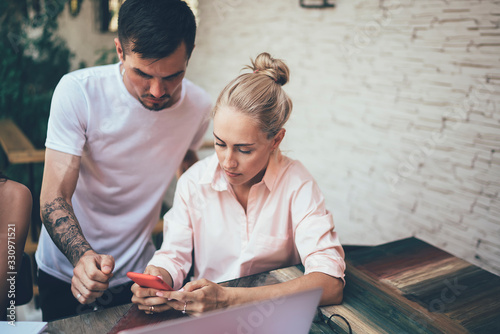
x,y
259,94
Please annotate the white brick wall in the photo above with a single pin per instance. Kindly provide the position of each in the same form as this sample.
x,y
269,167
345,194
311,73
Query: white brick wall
x,y
396,110
82,33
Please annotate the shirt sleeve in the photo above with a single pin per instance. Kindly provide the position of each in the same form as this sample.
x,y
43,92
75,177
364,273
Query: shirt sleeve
x,y
317,242
66,130
175,252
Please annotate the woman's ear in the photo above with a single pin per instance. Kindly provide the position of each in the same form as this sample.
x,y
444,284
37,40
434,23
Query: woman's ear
x,y
278,138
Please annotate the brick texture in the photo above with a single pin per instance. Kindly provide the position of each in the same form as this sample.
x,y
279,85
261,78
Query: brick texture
x,y
396,110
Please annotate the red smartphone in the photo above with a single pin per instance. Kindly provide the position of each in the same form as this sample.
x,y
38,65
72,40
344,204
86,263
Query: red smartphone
x,y
149,281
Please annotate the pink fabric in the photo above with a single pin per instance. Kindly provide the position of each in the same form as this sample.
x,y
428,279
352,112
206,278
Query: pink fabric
x,y
286,223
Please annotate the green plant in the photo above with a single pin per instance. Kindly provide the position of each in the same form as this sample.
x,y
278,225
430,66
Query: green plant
x,y
106,56
33,60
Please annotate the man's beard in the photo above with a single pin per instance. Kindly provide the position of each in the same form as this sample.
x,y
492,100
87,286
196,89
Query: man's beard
x,y
156,106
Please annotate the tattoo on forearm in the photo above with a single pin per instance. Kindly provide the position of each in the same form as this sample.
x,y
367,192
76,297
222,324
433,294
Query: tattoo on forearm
x,y
62,225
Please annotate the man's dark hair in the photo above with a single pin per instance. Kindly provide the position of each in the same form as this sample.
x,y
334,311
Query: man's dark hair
x,y
155,28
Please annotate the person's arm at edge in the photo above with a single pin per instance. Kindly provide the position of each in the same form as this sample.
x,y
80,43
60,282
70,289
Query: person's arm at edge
x,y
12,222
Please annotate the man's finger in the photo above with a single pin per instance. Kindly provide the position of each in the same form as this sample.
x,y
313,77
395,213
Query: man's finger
x,y
76,293
107,264
93,279
83,295
86,269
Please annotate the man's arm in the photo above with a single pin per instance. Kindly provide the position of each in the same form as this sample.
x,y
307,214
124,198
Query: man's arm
x,y
58,185
92,271
189,159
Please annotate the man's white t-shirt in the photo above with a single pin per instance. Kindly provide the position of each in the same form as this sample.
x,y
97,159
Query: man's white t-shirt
x,y
129,155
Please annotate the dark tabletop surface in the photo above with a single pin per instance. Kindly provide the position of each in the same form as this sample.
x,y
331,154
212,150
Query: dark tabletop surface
x,y
407,286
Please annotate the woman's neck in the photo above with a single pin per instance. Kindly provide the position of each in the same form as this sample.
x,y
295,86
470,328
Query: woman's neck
x,y
241,194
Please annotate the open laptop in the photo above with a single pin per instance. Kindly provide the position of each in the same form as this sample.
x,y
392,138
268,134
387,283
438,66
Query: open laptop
x,y
291,314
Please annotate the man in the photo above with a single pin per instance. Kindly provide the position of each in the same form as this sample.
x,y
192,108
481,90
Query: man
x,y
116,135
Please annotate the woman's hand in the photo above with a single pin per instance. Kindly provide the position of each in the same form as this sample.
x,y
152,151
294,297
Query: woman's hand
x,y
198,296
146,298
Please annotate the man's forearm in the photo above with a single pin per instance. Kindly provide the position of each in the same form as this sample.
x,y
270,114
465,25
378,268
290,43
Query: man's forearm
x,y
63,227
189,159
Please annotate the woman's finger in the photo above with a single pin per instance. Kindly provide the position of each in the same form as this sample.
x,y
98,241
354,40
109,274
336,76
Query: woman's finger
x,y
153,308
149,301
143,292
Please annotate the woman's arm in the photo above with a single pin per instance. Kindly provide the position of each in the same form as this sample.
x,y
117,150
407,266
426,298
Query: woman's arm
x,y
173,260
332,289
203,295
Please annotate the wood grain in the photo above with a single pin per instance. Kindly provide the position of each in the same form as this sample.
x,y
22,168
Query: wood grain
x,y
17,146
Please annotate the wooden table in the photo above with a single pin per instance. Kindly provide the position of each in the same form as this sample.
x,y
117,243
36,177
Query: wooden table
x,y
405,286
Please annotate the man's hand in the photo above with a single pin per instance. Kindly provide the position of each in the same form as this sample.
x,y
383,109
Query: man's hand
x,y
91,276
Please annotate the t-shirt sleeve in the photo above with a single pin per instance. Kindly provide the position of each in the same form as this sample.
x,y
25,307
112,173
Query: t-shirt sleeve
x,y
175,252
317,242
202,129
68,118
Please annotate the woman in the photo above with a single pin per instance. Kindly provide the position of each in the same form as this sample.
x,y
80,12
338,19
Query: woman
x,y
246,209
15,217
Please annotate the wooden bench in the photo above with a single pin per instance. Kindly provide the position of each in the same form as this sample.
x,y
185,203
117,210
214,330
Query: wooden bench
x,y
19,150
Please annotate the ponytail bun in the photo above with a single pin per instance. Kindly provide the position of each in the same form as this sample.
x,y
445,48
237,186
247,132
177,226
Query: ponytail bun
x,y
259,94
276,69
